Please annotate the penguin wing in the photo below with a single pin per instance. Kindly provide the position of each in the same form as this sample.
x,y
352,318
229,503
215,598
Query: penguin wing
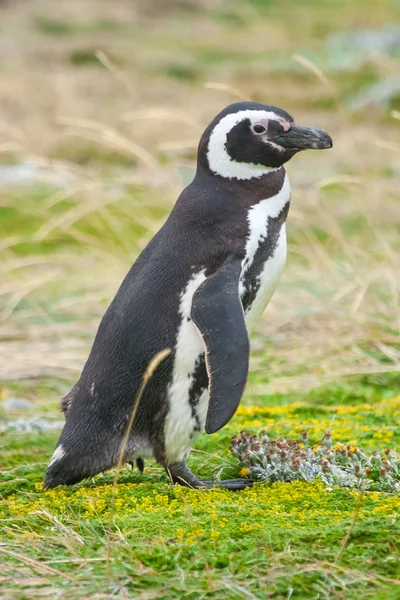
x,y
218,314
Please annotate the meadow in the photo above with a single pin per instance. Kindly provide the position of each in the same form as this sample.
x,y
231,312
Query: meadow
x,y
101,108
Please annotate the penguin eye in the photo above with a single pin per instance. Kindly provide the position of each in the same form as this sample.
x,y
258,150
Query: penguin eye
x,y
259,129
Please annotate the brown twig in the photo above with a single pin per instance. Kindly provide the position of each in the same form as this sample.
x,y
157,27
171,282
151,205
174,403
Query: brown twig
x,y
351,528
152,366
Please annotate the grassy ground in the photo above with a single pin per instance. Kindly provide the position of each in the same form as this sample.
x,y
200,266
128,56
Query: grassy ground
x,y
148,539
101,108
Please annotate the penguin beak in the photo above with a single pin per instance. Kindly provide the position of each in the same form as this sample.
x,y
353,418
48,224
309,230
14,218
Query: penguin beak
x,y
303,138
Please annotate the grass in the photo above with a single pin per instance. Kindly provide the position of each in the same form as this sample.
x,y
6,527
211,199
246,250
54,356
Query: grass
x,y
170,541
101,109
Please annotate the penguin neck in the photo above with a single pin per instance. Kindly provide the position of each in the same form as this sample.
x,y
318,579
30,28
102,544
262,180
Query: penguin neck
x,y
251,190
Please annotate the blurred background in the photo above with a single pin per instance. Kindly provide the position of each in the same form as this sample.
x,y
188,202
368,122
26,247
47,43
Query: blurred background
x,y
102,104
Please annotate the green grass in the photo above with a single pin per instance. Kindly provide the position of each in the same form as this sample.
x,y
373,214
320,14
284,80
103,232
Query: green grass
x,y
271,541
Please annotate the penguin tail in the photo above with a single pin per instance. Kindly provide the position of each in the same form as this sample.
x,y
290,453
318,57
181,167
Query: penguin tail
x,y
67,468
79,454
63,470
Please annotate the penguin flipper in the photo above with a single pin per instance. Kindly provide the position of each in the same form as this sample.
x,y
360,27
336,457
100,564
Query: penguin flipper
x,y
218,314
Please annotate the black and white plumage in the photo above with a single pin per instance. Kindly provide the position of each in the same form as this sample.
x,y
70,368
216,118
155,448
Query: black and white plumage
x,y
198,288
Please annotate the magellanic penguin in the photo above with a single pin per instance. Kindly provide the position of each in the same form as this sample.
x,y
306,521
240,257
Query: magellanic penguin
x,y
198,288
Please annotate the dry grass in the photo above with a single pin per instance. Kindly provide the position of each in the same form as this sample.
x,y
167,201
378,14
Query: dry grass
x,y
121,136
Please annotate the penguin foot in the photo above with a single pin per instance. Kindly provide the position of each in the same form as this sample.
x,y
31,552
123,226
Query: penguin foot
x,y
180,473
234,484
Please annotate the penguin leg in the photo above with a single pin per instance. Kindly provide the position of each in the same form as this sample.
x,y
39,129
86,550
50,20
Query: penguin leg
x,y
181,474
139,464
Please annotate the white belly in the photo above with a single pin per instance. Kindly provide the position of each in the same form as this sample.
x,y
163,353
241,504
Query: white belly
x,y
268,280
181,426
271,271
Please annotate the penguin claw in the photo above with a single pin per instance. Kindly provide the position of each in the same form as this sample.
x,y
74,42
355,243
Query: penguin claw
x,y
234,484
180,473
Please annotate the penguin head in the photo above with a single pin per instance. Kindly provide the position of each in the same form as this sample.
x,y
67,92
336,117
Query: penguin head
x,y
247,140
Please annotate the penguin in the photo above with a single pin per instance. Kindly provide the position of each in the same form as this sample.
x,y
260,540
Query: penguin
x,y
197,289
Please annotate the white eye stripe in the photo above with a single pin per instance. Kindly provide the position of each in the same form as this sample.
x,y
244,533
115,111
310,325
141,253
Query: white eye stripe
x,y
219,160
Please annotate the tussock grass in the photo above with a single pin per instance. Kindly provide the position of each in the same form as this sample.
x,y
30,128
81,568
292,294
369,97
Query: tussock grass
x,y
120,140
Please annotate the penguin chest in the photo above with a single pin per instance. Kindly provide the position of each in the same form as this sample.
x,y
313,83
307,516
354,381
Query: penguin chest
x,y
265,254
259,285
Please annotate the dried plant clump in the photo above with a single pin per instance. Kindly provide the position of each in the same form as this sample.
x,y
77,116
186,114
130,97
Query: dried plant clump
x,y
264,459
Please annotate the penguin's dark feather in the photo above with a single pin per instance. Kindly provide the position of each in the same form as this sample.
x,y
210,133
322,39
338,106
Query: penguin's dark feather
x,y
218,314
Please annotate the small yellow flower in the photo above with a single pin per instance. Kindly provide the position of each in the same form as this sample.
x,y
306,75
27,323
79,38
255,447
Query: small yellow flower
x,y
244,472
214,535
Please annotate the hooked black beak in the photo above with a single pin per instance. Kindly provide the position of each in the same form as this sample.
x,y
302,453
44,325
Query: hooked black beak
x,y
303,138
